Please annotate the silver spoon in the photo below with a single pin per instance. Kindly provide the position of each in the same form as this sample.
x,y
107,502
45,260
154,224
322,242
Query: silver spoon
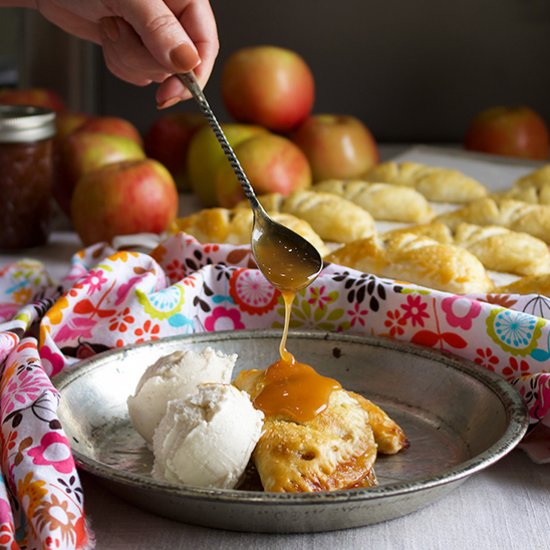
x,y
287,260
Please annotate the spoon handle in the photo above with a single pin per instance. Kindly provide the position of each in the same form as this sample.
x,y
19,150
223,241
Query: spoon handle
x,y
190,82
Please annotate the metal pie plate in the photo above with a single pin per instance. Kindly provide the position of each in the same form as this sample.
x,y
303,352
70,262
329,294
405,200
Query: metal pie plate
x,y
459,418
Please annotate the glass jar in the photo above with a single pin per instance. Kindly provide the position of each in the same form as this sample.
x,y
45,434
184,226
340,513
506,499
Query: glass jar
x,y
26,172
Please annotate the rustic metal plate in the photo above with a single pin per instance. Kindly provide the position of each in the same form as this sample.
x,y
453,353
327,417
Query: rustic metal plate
x,y
459,418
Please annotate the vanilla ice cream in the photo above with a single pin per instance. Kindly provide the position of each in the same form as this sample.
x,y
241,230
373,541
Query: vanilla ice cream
x,y
174,376
207,438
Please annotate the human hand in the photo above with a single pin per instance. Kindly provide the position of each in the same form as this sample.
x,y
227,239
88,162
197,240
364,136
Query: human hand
x,y
144,41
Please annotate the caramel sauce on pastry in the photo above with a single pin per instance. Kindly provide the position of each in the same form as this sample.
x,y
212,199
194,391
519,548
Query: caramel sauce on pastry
x,y
291,389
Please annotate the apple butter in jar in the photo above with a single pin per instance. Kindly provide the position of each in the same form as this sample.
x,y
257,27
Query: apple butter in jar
x,y
26,173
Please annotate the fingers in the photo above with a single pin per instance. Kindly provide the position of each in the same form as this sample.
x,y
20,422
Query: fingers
x,y
158,25
152,40
126,56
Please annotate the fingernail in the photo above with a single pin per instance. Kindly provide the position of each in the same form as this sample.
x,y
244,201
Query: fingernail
x,y
168,102
185,57
110,28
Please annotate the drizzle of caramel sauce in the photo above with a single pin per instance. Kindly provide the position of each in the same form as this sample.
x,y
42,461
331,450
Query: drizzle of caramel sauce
x,y
290,388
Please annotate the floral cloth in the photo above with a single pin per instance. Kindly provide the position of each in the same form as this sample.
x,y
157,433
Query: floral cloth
x,y
113,298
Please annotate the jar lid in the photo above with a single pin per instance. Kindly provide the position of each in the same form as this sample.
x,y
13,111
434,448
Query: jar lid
x,y
25,123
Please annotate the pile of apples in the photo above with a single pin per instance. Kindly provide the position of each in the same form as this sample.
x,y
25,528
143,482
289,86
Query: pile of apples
x,y
269,92
110,181
103,180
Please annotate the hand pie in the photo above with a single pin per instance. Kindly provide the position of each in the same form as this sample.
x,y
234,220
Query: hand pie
x,y
417,259
496,247
334,450
533,219
533,188
532,284
501,249
384,201
388,435
220,225
332,217
436,184
537,178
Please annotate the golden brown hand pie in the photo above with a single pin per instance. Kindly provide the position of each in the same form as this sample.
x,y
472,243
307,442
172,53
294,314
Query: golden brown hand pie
x,y
384,201
220,225
533,188
388,435
435,183
501,249
417,259
497,248
538,177
533,219
532,284
332,217
334,450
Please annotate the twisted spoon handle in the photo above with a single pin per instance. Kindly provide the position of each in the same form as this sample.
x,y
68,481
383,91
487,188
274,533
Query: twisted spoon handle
x,y
190,82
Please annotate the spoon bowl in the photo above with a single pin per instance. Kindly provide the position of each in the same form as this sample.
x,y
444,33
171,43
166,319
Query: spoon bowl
x,y
287,260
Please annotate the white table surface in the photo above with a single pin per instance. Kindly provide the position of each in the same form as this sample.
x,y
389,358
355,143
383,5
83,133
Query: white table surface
x,y
506,506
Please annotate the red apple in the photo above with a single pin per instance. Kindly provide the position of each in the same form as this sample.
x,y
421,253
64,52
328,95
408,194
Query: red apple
x,y
114,126
205,153
38,97
167,141
272,163
509,131
123,198
336,146
81,152
269,86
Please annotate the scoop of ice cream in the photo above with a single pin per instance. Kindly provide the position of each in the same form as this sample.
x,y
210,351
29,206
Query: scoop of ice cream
x,y
174,376
207,438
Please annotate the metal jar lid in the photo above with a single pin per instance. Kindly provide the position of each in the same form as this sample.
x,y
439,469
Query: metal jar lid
x,y
24,123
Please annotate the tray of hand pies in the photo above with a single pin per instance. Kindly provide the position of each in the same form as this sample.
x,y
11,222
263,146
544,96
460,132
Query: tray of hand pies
x,y
455,221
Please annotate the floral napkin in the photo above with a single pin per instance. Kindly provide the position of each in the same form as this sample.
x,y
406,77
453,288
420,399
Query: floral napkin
x,y
112,298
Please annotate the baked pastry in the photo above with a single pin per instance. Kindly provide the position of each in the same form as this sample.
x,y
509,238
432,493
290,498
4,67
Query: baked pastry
x,y
220,225
334,450
417,259
388,435
332,217
435,183
497,248
437,231
384,201
533,219
533,187
538,177
501,249
532,284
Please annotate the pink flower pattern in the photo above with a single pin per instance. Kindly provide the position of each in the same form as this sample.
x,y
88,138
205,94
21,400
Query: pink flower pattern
x,y
415,310
460,311
54,450
223,319
100,309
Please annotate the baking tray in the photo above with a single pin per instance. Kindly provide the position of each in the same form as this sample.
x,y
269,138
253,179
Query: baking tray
x,y
459,418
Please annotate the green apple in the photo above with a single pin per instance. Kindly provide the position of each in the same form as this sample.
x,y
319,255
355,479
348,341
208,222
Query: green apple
x,y
205,153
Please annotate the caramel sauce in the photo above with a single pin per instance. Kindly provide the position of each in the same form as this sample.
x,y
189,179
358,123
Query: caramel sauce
x,y
284,262
289,388
292,389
